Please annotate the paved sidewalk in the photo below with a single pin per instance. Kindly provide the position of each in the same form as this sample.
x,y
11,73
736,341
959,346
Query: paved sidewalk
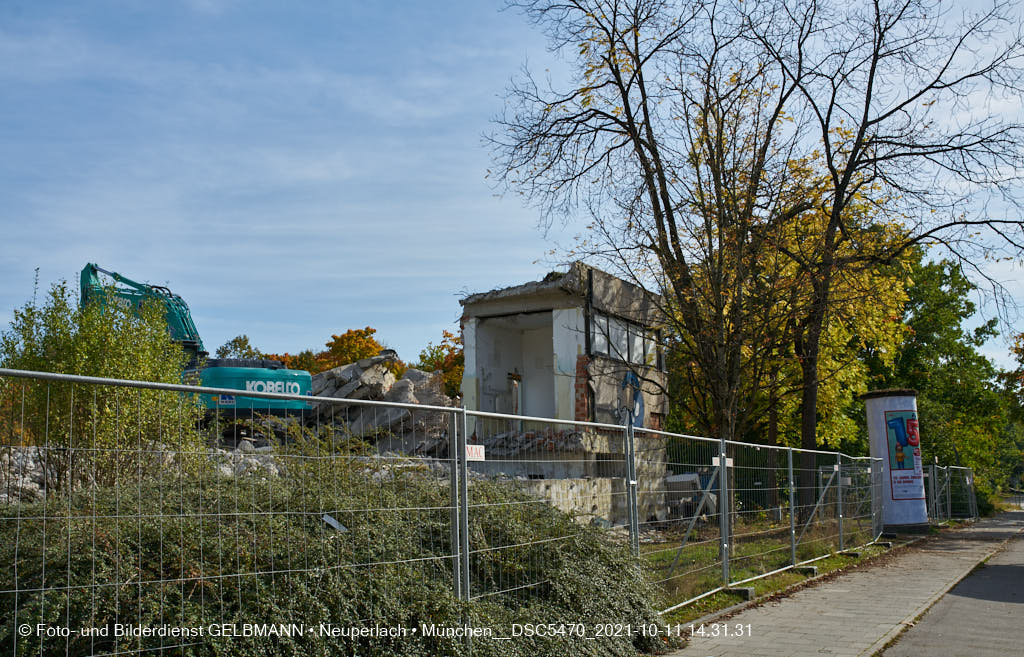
x,y
859,612
980,617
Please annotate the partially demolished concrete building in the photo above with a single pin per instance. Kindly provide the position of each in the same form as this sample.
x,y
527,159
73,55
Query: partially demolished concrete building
x,y
581,346
561,348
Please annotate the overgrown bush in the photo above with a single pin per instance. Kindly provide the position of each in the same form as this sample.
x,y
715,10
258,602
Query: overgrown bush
x,y
985,496
193,548
93,432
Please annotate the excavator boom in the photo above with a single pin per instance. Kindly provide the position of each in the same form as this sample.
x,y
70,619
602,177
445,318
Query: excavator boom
x,y
134,294
244,375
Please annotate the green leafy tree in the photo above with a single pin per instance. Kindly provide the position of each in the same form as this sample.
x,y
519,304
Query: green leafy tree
x,y
965,415
238,347
90,431
680,134
1013,382
1015,379
867,307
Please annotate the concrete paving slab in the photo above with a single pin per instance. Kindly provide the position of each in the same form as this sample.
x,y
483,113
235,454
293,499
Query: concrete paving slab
x,y
859,612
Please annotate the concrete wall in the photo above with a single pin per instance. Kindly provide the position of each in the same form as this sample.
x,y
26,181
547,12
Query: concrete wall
x,y
554,363
604,498
536,465
585,498
605,376
618,297
495,347
590,481
470,378
569,343
498,352
537,360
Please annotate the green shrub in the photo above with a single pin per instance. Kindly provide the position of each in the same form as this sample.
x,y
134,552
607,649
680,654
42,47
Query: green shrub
x,y
92,433
194,547
985,496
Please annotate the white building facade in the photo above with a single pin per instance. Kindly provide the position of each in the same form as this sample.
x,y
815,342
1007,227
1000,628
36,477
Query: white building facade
x,y
563,347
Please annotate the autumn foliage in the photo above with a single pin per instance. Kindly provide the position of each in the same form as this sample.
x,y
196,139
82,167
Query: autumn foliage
x,y
355,344
446,357
349,347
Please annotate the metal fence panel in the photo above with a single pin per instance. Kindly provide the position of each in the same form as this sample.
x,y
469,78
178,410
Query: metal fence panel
x,y
961,493
530,468
124,502
679,513
757,504
124,506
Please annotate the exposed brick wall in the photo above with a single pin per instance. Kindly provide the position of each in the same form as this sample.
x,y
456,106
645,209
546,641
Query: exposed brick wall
x,y
582,389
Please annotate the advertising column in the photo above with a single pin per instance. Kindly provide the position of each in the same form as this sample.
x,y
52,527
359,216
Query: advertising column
x,y
895,438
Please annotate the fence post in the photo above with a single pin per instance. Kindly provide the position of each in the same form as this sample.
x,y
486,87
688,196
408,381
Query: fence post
x,y
456,515
723,509
839,497
631,501
464,504
949,495
932,506
792,508
876,497
944,493
970,489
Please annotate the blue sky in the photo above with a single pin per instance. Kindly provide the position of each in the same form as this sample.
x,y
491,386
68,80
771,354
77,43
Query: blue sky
x,y
292,170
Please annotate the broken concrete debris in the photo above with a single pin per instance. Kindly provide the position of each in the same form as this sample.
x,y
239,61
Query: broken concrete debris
x,y
401,429
23,469
23,475
394,430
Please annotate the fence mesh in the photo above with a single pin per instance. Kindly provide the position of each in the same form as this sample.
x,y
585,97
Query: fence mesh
x,y
680,513
949,492
132,505
579,470
126,507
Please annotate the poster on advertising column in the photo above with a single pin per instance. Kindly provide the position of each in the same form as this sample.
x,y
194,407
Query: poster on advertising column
x,y
906,473
895,438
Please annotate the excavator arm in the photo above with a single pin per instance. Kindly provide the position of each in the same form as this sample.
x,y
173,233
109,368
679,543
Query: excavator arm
x,y
256,375
132,293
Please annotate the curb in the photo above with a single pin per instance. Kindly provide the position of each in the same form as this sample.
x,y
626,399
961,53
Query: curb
x,y
908,621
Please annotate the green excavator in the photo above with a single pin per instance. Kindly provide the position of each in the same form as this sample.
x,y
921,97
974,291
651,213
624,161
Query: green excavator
x,y
244,375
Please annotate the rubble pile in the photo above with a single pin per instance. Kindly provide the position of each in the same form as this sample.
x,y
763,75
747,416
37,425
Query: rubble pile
x,y
22,476
518,443
394,428
245,459
23,468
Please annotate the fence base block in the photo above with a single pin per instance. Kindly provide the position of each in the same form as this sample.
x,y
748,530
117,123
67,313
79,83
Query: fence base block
x,y
850,553
810,571
745,592
892,531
